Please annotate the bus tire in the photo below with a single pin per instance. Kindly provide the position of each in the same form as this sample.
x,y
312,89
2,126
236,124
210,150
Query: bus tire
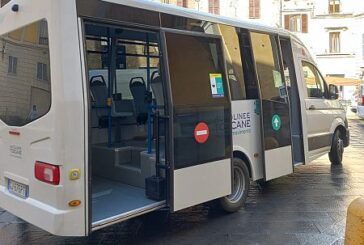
x,y
241,185
337,148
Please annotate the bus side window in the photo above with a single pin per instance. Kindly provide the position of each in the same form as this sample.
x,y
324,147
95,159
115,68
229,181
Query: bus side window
x,y
251,83
266,56
233,62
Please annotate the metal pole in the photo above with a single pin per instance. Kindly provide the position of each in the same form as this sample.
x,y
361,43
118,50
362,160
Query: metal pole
x,y
149,105
157,143
280,13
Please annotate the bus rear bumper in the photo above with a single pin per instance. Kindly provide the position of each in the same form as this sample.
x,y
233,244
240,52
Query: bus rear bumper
x,y
37,213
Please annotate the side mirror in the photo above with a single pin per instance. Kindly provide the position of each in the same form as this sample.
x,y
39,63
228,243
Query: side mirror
x,y
333,92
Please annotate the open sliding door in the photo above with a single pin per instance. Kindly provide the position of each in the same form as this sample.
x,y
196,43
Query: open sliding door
x,y
276,128
201,141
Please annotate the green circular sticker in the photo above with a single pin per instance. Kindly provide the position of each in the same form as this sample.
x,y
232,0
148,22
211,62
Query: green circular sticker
x,y
276,122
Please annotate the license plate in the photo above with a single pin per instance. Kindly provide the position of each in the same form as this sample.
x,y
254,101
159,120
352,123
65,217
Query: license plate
x,y
17,188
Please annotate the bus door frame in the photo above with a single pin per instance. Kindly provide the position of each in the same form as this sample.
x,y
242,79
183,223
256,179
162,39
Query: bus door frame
x,y
268,176
300,119
170,139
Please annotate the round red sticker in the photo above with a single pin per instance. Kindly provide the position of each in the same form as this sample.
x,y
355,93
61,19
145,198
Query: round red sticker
x,y
202,133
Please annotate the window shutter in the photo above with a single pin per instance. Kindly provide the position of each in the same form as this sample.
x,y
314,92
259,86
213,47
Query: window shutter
x,y
180,3
286,22
254,9
15,64
257,8
185,4
304,23
10,66
251,8
45,72
214,6
39,71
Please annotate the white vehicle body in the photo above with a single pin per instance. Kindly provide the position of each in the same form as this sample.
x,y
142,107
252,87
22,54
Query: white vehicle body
x,y
360,105
69,138
354,102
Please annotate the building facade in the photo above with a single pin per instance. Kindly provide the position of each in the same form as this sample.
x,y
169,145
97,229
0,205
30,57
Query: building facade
x,y
265,11
332,30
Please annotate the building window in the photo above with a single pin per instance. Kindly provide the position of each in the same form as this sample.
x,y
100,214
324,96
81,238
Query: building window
x,y
42,71
296,23
334,42
214,6
334,6
13,63
254,9
43,33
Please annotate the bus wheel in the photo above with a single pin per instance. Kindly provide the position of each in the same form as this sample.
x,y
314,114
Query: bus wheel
x,y
241,184
337,148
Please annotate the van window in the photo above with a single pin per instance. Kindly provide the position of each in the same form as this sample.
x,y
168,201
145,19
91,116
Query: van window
x,y
266,56
25,84
314,82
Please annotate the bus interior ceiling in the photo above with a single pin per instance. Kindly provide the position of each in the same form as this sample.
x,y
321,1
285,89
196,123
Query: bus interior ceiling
x,y
123,70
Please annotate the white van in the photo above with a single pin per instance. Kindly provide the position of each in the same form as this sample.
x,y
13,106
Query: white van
x,y
360,106
111,109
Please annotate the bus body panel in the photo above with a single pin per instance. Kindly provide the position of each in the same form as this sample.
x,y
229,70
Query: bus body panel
x,y
56,138
246,134
201,183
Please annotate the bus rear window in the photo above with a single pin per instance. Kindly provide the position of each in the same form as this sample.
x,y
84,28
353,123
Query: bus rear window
x,y
25,82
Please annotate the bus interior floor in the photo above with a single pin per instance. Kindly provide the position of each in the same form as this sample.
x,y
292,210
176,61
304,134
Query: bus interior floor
x,y
111,199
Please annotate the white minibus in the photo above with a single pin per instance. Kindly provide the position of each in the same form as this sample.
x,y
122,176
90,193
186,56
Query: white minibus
x,y
111,109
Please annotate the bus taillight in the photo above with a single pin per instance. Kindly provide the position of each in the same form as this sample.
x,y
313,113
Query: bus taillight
x,y
47,173
362,100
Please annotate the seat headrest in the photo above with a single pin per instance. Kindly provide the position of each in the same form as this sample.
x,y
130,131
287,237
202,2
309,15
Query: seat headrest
x,y
97,83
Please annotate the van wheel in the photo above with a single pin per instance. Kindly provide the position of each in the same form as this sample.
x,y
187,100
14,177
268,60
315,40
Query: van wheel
x,y
241,184
337,148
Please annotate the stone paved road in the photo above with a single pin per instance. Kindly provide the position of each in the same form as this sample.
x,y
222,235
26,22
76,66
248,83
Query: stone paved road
x,y
307,207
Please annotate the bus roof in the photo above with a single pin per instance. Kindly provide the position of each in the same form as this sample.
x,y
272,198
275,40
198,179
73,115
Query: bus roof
x,y
194,14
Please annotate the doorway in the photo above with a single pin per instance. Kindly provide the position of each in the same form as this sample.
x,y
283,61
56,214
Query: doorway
x,y
126,90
